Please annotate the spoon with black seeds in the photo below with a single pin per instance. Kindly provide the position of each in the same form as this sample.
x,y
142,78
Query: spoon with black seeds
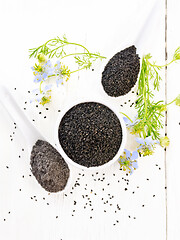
x,y
121,72
47,165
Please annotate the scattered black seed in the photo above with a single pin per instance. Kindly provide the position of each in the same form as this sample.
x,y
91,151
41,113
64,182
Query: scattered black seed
x,y
24,108
142,205
74,202
7,167
59,110
28,91
92,69
14,88
19,156
48,167
125,189
9,212
129,216
90,217
90,134
39,112
154,195
47,203
121,72
44,116
56,216
4,219
43,198
20,190
47,108
165,187
159,168
23,176
147,179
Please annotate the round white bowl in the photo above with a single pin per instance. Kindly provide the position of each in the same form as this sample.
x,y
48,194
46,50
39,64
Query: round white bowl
x,y
69,160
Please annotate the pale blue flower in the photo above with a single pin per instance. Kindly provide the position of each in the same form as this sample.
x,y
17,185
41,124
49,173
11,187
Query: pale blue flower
x,y
39,95
128,161
48,68
146,146
58,73
129,123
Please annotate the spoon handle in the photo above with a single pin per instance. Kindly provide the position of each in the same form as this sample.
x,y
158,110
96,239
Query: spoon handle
x,y
26,127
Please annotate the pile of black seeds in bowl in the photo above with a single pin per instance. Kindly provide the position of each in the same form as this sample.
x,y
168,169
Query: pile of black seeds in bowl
x,y
90,134
121,72
48,167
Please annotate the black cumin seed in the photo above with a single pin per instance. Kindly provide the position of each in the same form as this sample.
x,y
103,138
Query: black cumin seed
x,y
121,72
90,134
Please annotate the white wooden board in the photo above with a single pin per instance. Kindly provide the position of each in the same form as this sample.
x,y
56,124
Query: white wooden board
x,y
99,206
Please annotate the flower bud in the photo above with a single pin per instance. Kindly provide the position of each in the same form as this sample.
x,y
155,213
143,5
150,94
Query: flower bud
x,y
164,141
41,58
163,108
177,101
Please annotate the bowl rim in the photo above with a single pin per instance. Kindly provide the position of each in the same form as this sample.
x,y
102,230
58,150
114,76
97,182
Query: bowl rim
x,y
64,155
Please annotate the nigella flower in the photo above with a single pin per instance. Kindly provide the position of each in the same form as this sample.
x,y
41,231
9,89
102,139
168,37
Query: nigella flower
x,y
42,71
146,146
48,68
40,77
130,123
42,95
128,161
58,73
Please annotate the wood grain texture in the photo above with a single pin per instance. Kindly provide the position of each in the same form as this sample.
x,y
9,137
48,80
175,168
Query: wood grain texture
x,y
100,205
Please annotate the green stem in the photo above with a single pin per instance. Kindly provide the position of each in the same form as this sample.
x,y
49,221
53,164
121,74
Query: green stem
x,y
170,102
83,54
40,90
77,70
60,40
161,66
126,116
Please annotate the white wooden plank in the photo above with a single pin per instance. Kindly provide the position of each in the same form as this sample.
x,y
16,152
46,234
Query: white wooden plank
x,y
104,27
173,127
